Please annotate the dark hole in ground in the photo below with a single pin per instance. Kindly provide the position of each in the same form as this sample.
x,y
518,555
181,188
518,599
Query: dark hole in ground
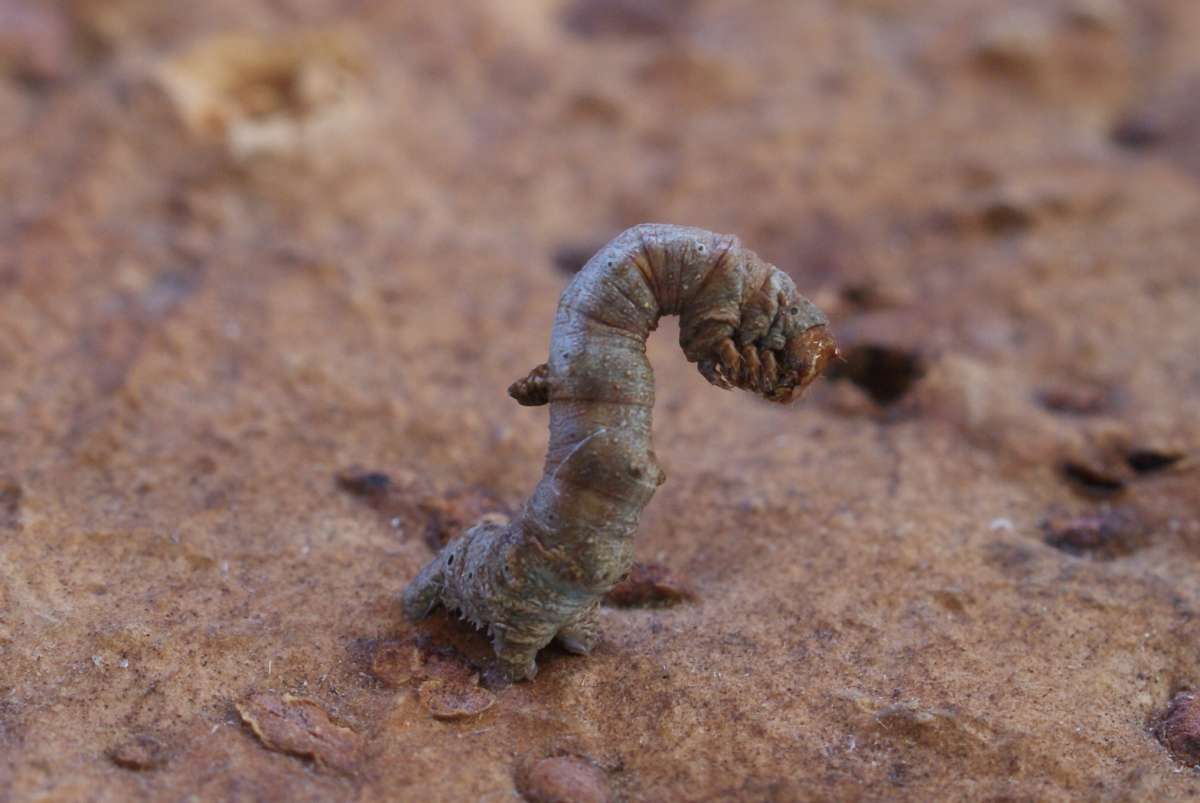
x,y
364,483
868,295
1090,481
570,259
1003,218
626,17
1137,133
862,295
885,373
1148,461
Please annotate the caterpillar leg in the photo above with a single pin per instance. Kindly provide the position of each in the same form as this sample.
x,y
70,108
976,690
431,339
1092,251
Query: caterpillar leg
x,y
471,577
730,360
770,370
516,656
424,593
708,369
751,367
580,636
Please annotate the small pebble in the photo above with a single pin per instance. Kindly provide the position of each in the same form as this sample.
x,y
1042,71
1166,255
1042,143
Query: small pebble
x,y
391,661
1016,41
1109,532
300,727
563,779
1095,15
35,40
142,752
650,584
1179,729
450,699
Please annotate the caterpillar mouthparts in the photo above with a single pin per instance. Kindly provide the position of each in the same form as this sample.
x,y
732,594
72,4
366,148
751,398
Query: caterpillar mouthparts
x,y
809,352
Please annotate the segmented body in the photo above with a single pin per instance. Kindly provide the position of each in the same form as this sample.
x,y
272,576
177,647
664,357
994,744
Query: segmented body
x,y
741,320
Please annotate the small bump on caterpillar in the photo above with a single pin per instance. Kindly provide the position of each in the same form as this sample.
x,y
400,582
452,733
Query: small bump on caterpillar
x,y
744,325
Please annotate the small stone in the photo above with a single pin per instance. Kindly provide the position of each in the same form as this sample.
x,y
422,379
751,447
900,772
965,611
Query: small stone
x,y
442,664
140,753
391,661
1110,532
35,40
1074,398
563,779
300,727
1179,729
450,699
399,661
650,584
1017,41
1096,15
275,95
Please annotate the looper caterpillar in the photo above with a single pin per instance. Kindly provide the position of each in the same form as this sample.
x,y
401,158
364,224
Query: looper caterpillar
x,y
743,323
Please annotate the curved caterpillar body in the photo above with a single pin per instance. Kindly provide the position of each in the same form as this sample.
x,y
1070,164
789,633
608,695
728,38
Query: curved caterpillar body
x,y
744,325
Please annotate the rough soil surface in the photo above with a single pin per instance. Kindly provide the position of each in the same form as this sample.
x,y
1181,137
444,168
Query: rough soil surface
x,y
267,268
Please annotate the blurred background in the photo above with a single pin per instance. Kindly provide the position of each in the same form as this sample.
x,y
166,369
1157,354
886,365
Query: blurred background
x,y
248,248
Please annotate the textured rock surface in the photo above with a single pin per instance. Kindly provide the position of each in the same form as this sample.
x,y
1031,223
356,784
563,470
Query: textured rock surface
x,y
204,323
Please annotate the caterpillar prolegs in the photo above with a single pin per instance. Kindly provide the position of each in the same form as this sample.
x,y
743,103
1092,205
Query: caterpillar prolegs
x,y
743,323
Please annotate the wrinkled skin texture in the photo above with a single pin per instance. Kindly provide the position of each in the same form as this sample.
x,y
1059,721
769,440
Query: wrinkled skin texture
x,y
742,322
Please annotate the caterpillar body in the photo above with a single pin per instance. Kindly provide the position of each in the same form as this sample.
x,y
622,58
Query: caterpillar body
x,y
541,576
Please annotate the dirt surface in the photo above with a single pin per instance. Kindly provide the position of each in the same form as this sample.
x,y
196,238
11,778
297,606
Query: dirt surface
x,y
266,269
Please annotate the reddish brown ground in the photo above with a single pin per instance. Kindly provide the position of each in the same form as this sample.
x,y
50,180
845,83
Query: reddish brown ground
x,y
965,569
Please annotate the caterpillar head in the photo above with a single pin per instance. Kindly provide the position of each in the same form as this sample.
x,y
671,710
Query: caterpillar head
x,y
804,346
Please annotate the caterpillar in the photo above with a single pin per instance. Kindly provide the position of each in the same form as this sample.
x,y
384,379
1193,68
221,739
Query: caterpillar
x,y
744,325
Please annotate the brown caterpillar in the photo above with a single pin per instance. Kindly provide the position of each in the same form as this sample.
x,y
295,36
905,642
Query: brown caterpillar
x,y
741,320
